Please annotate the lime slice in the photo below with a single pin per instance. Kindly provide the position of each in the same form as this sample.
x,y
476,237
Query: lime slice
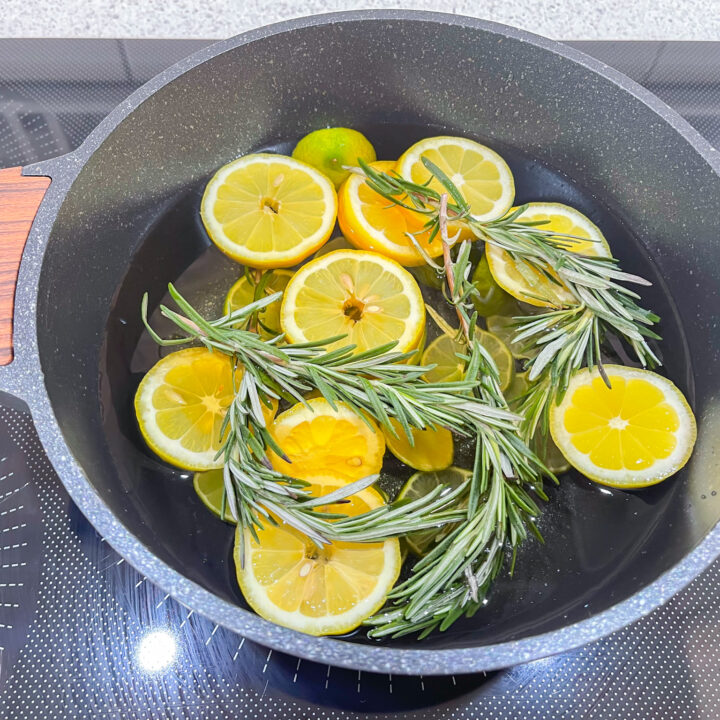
x,y
490,298
518,387
210,489
550,454
501,355
419,485
503,327
443,352
242,293
546,450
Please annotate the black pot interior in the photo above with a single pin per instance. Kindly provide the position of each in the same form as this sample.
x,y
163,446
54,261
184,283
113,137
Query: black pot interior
x,y
130,224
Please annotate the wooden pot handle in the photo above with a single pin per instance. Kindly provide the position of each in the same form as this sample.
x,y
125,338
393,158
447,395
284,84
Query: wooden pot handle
x,y
20,197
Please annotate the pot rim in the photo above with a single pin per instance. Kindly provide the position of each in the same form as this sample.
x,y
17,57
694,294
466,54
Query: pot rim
x,y
23,378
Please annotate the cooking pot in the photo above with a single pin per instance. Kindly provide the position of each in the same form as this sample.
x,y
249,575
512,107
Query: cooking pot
x,y
119,216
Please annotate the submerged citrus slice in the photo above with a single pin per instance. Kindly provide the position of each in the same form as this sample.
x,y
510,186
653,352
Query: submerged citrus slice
x,y
242,293
328,149
504,328
181,403
210,488
528,284
489,298
636,434
549,453
443,352
269,211
515,392
370,222
319,591
431,449
419,485
479,173
543,447
321,441
336,243
367,297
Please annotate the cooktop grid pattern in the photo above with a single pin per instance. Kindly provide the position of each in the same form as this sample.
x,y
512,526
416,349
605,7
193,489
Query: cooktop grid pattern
x,y
83,635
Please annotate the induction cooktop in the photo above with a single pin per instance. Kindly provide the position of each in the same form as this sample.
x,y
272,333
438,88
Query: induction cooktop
x,y
83,635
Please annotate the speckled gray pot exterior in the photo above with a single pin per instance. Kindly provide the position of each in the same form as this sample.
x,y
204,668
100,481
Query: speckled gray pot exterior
x,y
24,377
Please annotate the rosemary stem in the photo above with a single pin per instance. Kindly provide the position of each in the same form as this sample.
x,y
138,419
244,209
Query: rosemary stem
x,y
447,261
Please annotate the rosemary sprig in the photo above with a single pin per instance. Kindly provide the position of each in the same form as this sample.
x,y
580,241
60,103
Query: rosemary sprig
x,y
376,384
453,579
565,337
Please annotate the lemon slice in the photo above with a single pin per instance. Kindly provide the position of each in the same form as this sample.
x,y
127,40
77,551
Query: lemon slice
x,y
636,434
269,211
319,591
210,488
419,485
528,284
242,293
502,356
321,441
180,405
367,297
431,449
443,352
370,222
480,174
